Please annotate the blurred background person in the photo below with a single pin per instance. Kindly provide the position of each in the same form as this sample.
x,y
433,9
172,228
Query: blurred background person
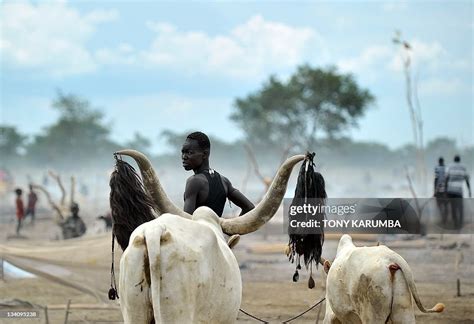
x,y
31,206
455,177
20,209
440,189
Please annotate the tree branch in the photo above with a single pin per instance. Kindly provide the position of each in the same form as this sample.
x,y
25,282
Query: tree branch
x,y
253,160
50,200
56,177
73,188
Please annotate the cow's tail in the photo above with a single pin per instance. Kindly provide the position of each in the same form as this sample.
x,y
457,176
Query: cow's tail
x,y
139,291
155,239
400,264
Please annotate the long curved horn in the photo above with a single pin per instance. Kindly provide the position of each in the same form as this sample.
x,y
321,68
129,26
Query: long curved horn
x,y
254,219
152,184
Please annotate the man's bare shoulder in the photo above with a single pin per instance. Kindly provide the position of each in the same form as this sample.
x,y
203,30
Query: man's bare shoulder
x,y
225,179
196,180
227,184
194,185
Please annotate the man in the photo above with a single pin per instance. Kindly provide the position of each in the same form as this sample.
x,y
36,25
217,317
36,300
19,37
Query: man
x,y
207,187
31,206
73,226
20,211
455,177
107,218
440,189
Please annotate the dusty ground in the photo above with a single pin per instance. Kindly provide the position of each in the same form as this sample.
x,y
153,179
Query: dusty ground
x,y
268,291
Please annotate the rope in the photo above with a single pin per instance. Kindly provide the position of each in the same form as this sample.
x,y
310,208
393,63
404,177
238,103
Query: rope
x,y
299,315
254,317
288,320
113,293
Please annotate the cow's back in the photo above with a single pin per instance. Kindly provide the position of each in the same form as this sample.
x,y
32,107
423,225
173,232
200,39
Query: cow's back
x,y
359,280
193,273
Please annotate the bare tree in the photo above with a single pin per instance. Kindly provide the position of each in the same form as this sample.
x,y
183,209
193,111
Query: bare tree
x,y
266,180
60,208
414,108
56,177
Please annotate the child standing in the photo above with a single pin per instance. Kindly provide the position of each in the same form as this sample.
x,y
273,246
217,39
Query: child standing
x,y
20,210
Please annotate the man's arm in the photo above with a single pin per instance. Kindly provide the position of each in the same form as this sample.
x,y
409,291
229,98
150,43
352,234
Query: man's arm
x,y
446,180
193,186
238,198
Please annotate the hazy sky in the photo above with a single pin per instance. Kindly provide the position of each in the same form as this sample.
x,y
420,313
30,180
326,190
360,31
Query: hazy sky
x,y
153,66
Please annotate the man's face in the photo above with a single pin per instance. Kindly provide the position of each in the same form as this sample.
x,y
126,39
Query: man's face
x,y
192,155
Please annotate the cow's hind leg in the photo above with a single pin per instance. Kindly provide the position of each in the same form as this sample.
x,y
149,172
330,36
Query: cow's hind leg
x,y
402,308
372,318
405,316
330,317
134,288
402,305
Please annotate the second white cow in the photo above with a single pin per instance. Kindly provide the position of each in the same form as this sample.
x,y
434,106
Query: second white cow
x,y
370,285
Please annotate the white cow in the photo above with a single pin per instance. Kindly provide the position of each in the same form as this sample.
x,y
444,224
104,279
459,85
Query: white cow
x,y
178,268
370,285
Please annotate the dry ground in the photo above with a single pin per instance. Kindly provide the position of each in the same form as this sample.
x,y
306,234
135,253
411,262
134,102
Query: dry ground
x,y
268,291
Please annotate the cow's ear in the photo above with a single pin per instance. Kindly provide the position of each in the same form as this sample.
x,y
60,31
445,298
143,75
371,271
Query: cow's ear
x,y
233,240
327,266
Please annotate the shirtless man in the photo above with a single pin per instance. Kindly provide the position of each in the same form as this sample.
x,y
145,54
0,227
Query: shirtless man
x,y
207,187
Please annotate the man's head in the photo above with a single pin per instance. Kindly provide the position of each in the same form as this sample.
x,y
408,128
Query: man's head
x,y
75,209
18,192
195,150
31,187
457,158
441,161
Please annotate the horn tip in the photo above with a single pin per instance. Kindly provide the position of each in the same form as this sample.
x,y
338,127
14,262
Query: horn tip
x,y
124,151
128,152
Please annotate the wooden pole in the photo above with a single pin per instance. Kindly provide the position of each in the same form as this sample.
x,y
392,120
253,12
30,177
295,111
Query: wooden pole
x,y
458,287
73,189
67,311
85,307
457,266
46,318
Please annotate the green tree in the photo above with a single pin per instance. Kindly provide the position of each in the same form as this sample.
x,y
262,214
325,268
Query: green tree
x,y
78,136
313,102
441,147
11,142
173,140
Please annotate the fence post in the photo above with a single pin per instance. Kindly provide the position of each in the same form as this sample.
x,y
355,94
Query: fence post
x,y
67,311
46,318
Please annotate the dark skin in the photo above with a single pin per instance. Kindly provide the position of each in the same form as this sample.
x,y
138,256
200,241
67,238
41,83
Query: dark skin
x,y
197,187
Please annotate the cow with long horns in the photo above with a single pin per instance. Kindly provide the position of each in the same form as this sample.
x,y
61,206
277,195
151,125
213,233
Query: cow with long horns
x,y
177,267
